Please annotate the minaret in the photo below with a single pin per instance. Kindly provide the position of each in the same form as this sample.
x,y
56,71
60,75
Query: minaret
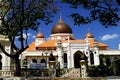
x,y
59,51
39,39
89,35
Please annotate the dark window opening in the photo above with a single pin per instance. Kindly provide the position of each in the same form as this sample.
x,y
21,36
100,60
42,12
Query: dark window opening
x,y
77,59
108,63
65,60
34,60
91,58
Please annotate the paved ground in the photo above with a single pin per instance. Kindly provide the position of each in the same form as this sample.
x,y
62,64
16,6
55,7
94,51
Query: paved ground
x,y
59,78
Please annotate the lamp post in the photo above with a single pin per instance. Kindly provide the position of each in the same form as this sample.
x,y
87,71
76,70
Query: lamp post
x,y
46,57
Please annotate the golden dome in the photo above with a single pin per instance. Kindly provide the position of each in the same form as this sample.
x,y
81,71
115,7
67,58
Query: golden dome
x,y
89,35
61,27
39,35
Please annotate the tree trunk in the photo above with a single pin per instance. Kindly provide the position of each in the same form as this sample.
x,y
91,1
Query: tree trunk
x,y
17,67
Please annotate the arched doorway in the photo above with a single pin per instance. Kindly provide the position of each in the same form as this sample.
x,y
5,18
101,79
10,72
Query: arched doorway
x,y
91,58
77,57
65,60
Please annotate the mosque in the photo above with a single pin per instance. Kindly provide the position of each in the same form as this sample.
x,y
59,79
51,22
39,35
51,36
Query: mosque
x,y
62,48
67,50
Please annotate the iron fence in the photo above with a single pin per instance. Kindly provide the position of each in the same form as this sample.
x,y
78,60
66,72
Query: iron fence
x,y
28,72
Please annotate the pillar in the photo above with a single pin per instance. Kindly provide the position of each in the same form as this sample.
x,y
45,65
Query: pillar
x,y
83,64
60,53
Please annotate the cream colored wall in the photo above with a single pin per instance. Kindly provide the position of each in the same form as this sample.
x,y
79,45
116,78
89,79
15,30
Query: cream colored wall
x,y
6,61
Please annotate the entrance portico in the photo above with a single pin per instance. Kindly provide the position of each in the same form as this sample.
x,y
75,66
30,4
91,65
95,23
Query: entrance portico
x,y
78,56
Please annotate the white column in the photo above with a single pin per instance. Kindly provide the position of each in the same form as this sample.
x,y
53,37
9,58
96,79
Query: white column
x,y
89,58
6,59
69,56
60,52
96,58
60,59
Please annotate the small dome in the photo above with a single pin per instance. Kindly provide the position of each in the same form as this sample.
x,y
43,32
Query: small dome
x,y
61,27
39,35
89,35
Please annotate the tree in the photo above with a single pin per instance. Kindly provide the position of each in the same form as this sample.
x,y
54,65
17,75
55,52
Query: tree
x,y
19,16
104,11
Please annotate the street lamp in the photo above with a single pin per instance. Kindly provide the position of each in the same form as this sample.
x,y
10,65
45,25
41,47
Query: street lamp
x,y
46,57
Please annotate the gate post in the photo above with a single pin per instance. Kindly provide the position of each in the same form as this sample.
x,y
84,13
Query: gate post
x,y
83,64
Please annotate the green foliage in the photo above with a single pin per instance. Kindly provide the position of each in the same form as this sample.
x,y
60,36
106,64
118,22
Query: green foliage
x,y
103,11
99,71
78,19
19,16
116,67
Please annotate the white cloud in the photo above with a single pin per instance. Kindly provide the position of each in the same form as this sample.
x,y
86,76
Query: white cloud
x,y
33,36
108,36
25,36
28,35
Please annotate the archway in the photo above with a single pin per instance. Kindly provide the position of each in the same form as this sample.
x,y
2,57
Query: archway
x,y
91,58
77,57
65,60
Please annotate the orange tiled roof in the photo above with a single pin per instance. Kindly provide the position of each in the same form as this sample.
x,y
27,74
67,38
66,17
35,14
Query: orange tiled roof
x,y
51,44
31,47
100,45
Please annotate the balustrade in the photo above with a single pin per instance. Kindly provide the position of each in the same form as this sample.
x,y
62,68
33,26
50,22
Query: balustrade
x,y
6,73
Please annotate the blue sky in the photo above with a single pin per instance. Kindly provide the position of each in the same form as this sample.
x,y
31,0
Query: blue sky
x,y
110,36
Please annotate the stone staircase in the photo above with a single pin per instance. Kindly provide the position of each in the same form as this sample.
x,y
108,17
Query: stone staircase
x,y
74,73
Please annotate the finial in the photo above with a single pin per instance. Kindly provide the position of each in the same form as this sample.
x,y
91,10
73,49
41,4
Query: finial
x,y
60,20
88,29
39,29
89,35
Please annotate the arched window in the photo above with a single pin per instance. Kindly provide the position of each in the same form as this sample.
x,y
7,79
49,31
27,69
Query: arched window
x,y
108,63
34,61
77,58
43,61
65,60
91,58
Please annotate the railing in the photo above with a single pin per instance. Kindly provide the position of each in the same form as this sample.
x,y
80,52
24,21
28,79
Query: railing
x,y
44,72
6,73
35,72
28,72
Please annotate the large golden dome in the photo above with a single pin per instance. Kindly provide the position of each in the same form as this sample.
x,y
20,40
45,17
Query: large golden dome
x,y
39,35
61,27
